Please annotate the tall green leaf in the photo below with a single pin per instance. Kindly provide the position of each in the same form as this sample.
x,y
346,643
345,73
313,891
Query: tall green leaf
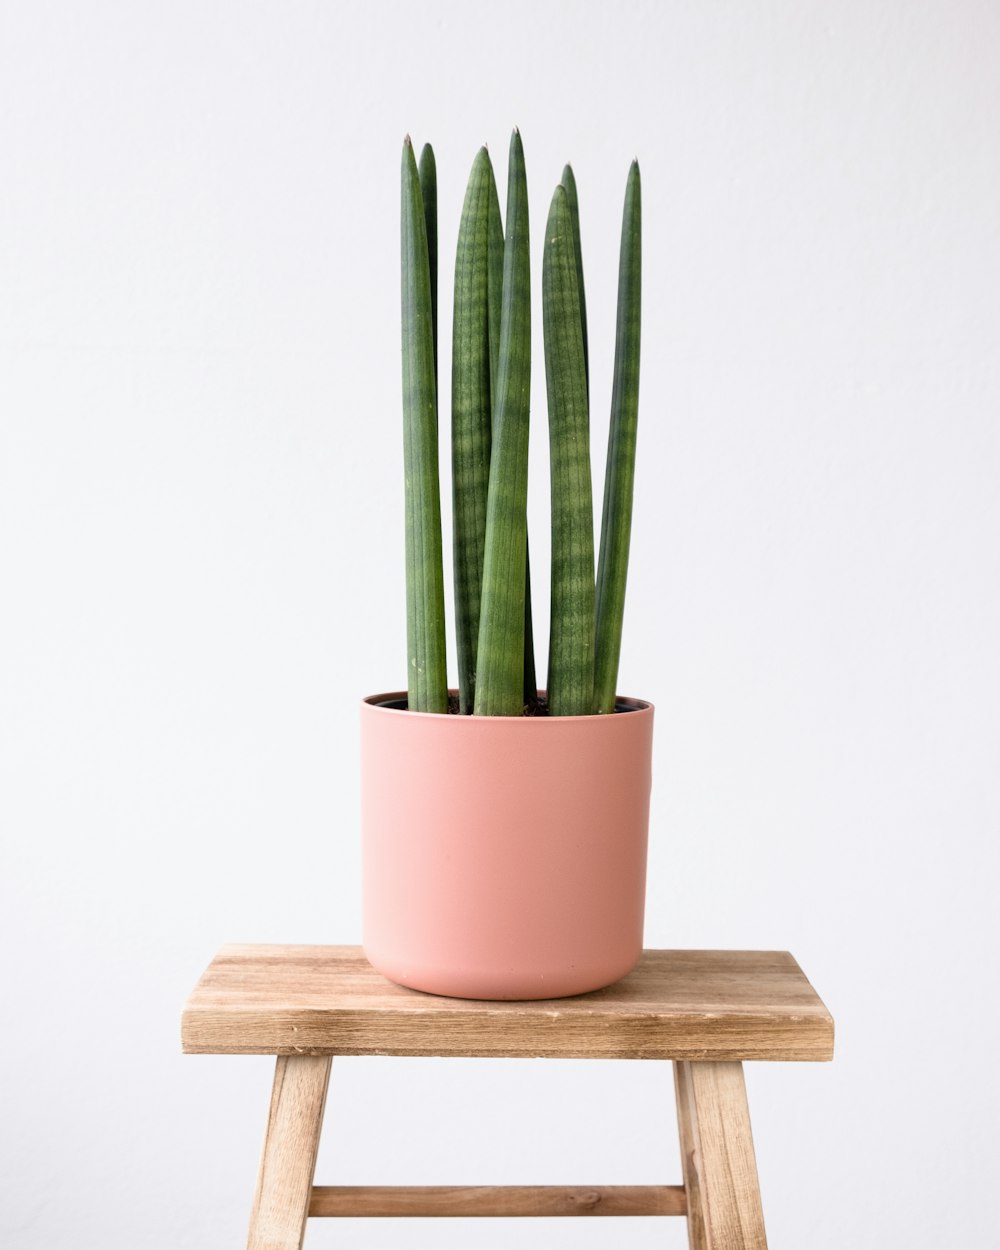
x,y
494,233
530,684
569,182
429,190
500,658
571,640
426,671
496,250
616,523
471,415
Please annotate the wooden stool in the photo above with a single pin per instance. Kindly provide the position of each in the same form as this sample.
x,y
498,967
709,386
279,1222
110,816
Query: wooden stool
x,y
708,1011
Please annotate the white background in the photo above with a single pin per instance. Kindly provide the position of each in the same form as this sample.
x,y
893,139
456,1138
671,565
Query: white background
x,y
201,575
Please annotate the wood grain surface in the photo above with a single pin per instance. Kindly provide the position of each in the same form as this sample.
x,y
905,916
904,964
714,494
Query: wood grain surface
x,y
288,1160
720,1169
682,1005
497,1200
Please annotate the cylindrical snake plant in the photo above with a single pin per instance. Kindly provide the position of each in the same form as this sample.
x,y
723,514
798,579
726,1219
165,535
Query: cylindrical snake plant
x,y
490,388
571,642
427,675
619,476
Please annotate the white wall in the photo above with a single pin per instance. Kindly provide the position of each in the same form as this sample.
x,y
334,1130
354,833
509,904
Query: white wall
x,y
201,573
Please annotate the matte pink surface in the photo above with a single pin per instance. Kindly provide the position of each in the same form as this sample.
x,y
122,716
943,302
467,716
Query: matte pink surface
x,y
504,857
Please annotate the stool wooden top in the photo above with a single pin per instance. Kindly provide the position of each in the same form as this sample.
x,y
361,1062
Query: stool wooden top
x,y
328,1000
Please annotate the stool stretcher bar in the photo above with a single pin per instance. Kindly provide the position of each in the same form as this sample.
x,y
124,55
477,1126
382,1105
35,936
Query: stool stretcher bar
x,y
496,1200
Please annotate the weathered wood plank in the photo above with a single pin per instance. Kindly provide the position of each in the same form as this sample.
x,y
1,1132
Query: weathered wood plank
x,y
496,1200
691,1005
288,1160
720,1170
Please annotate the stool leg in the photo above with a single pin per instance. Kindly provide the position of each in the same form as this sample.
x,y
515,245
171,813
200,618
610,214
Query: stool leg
x,y
288,1161
720,1172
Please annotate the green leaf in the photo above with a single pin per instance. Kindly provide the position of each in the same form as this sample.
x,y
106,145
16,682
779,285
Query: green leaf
x,y
569,182
501,651
425,637
494,277
530,692
429,190
471,416
616,523
571,641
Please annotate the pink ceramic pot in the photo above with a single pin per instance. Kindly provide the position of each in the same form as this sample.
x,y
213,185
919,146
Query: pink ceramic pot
x,y
504,857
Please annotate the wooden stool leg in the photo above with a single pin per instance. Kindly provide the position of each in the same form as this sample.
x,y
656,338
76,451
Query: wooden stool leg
x,y
720,1172
288,1161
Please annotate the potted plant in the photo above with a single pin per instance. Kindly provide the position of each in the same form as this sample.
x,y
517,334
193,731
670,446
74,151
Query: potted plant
x,y
505,829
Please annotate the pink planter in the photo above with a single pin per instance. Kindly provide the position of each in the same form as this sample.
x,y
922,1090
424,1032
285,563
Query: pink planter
x,y
504,857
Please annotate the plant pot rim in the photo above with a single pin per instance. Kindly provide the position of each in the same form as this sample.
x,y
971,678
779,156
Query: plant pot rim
x,y
381,704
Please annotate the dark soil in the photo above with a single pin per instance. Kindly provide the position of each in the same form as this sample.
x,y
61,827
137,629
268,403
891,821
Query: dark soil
x,y
539,708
